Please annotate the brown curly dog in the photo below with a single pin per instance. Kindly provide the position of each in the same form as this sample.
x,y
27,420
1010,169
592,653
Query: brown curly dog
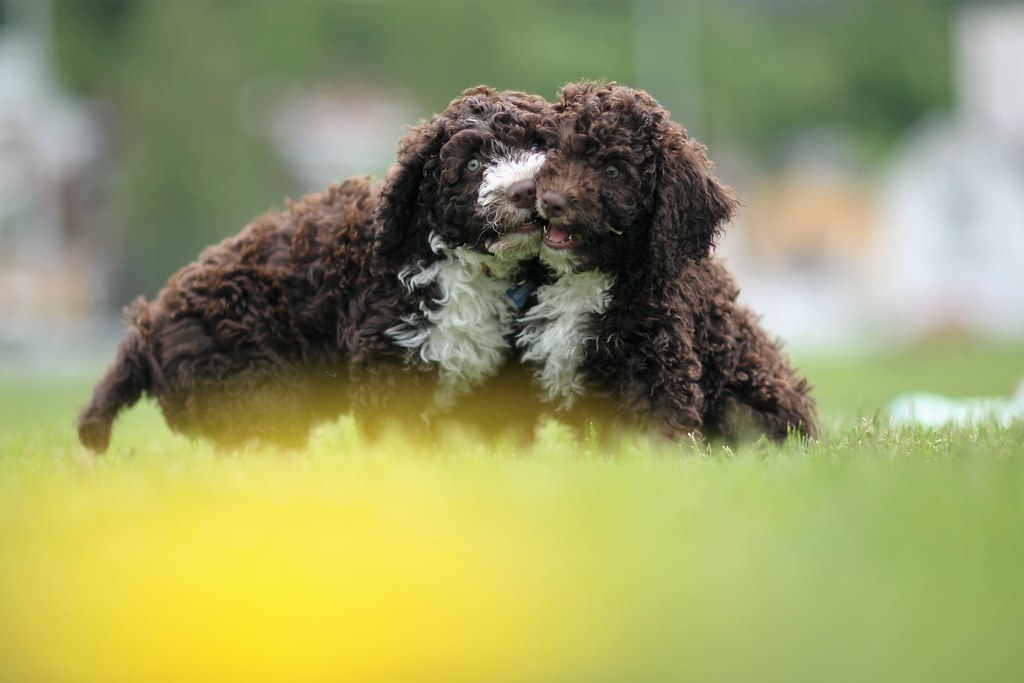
x,y
391,303
641,323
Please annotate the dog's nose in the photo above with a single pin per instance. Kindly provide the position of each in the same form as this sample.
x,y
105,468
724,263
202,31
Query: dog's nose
x,y
553,204
522,193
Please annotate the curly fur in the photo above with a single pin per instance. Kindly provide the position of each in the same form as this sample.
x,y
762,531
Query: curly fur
x,y
664,343
386,301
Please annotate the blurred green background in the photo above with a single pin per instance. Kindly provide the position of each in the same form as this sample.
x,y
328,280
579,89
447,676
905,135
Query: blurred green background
x,y
877,147
174,76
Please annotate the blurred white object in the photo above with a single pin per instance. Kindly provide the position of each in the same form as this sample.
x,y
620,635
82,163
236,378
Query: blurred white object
x,y
933,410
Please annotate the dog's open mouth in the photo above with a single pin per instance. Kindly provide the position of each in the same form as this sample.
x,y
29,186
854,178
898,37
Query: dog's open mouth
x,y
527,228
521,241
532,226
557,238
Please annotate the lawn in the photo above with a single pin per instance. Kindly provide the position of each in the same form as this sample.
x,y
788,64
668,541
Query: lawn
x,y
874,555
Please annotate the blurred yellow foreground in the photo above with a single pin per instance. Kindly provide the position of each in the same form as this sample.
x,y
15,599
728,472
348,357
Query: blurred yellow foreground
x,y
848,561
189,566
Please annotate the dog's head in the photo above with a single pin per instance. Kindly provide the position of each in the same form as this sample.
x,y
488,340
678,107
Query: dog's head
x,y
622,187
466,178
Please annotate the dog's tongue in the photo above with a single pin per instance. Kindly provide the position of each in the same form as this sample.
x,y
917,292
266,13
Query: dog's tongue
x,y
557,234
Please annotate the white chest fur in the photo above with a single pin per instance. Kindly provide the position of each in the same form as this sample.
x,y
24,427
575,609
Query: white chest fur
x,y
463,332
555,331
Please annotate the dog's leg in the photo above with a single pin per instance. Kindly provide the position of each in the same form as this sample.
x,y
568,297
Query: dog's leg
x,y
651,377
122,385
763,394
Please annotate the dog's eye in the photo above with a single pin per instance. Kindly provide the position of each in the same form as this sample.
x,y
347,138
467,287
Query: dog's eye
x,y
612,172
473,165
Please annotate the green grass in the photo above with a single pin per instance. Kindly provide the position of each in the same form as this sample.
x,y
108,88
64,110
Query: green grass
x,y
876,554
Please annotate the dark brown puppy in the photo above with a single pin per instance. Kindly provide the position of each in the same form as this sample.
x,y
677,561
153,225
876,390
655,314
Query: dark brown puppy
x,y
389,302
641,322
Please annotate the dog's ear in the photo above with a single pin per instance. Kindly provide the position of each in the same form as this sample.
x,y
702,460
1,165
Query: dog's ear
x,y
690,205
395,216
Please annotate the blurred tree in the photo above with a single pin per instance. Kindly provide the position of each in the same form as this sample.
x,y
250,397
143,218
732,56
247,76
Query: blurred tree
x,y
871,66
177,71
745,71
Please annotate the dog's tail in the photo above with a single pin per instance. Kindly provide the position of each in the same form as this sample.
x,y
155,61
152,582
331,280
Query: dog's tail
x,y
122,385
